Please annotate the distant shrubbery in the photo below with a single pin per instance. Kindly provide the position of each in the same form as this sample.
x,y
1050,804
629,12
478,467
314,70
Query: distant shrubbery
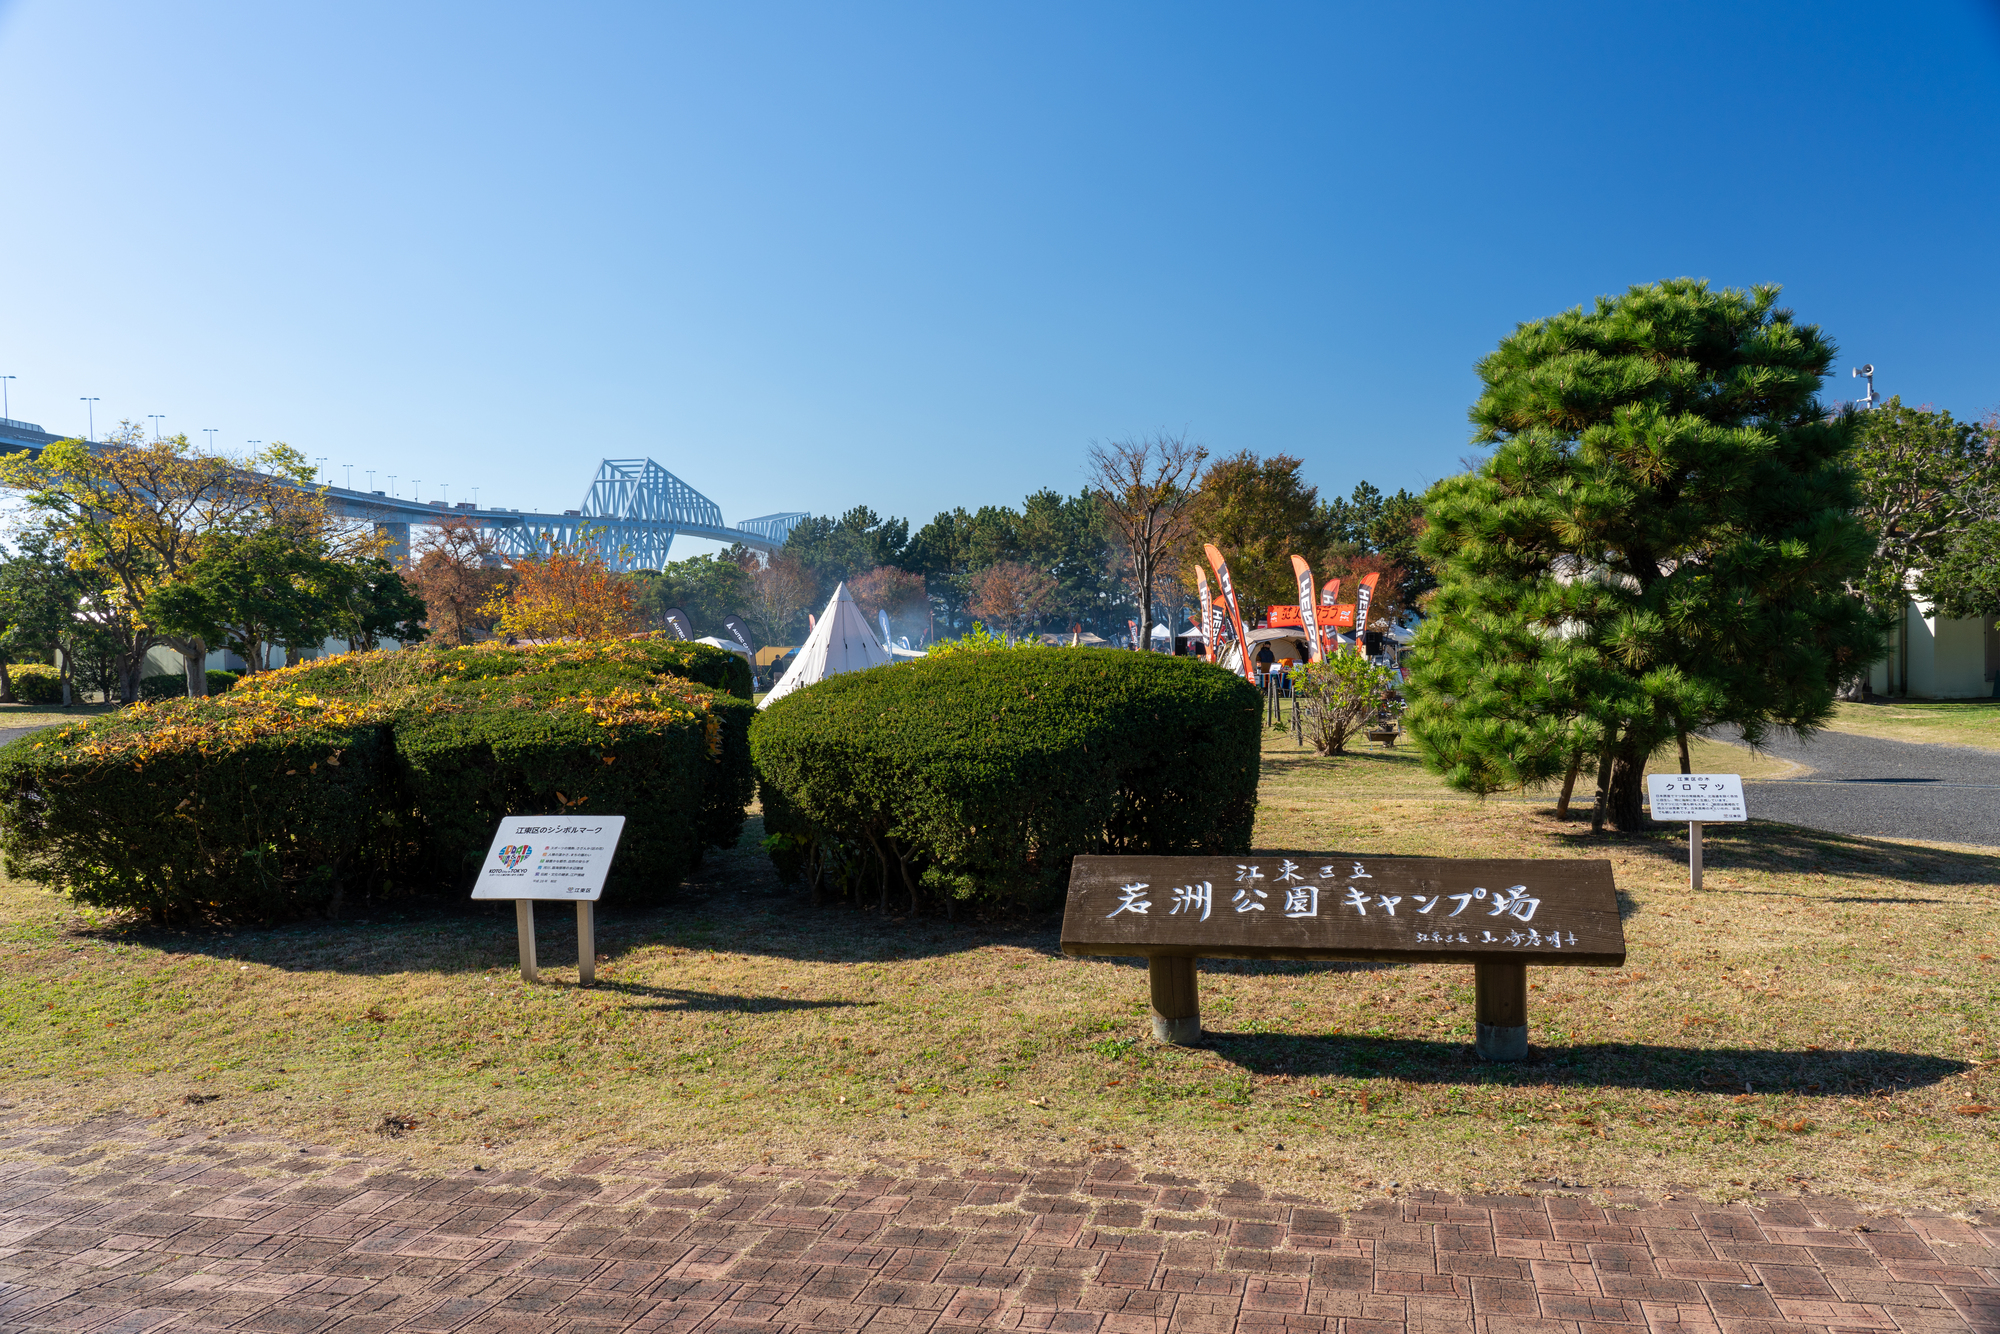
x,y
980,775
36,682
382,775
173,685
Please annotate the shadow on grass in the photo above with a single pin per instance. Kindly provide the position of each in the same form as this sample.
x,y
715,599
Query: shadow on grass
x,y
1784,849
771,922
1664,1069
682,1000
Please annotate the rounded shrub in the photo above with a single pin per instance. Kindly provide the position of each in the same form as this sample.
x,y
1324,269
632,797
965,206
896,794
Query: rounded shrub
x,y
381,774
243,807
36,682
980,775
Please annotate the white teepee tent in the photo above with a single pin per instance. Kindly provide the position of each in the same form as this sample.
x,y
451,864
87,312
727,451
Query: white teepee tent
x,y
840,642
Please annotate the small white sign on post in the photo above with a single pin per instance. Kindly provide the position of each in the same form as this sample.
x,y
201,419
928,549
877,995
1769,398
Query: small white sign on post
x,y
1699,799
552,857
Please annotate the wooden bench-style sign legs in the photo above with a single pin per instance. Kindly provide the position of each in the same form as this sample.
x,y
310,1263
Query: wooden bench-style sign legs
x,y
1176,999
1500,1004
1500,1010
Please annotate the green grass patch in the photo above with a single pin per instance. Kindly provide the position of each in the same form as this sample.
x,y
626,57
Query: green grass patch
x,y
1824,1016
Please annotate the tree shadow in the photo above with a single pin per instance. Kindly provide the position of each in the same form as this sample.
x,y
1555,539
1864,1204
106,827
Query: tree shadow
x,y
684,1000
772,921
1785,849
1661,1068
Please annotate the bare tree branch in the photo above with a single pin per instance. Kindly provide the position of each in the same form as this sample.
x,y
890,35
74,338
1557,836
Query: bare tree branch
x,y
1150,491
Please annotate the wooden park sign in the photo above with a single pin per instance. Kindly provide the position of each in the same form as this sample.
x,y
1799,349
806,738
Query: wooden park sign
x,y
1502,917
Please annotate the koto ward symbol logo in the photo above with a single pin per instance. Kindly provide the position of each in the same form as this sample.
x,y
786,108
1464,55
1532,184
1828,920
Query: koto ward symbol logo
x,y
514,854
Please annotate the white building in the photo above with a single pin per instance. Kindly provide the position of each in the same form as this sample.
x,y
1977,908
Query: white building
x,y
1939,657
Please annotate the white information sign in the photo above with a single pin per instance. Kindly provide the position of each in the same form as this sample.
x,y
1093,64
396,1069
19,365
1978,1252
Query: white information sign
x,y
1699,798
550,857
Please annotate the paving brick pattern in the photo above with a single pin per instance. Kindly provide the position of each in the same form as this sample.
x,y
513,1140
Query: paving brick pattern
x,y
107,1229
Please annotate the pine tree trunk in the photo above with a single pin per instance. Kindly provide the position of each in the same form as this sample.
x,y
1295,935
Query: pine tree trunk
x,y
1628,787
1597,808
6,685
1686,767
1569,785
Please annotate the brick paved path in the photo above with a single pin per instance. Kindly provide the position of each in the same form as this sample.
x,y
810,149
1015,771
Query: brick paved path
x,y
107,1230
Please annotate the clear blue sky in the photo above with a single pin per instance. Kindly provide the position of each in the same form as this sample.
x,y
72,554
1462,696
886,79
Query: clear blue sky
x,y
917,256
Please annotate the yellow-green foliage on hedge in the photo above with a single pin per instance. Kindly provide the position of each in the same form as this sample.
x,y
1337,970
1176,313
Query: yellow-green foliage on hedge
x,y
980,775
379,775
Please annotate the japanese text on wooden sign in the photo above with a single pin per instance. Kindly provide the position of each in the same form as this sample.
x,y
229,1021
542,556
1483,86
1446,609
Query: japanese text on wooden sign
x,y
549,857
1328,905
1708,798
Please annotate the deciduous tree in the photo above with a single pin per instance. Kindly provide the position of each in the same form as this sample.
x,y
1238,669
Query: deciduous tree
x,y
1261,513
566,593
139,513
887,589
1149,491
1011,594
456,571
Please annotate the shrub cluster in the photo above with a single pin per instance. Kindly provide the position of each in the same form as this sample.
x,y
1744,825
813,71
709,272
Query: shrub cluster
x,y
36,682
377,775
980,775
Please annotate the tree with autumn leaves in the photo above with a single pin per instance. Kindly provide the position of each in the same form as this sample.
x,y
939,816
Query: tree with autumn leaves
x,y
565,592
174,545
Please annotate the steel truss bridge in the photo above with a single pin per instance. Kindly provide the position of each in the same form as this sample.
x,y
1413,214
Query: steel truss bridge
x,y
630,517
634,510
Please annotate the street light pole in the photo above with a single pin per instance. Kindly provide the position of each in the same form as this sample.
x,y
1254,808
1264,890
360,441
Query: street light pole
x,y
6,409
210,431
91,408
350,475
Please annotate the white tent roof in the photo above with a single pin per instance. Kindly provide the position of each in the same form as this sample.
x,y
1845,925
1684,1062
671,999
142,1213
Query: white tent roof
x,y
840,642
1161,632
729,644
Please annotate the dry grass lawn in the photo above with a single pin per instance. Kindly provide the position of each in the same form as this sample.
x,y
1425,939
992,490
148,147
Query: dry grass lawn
x,y
1823,1016
1961,722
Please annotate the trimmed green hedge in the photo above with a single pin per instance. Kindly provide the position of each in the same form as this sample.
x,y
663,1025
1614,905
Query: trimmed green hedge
x,y
36,682
979,776
378,775
234,809
173,685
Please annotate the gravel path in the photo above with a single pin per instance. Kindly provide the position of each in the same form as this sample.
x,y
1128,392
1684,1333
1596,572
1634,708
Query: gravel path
x,y
1883,789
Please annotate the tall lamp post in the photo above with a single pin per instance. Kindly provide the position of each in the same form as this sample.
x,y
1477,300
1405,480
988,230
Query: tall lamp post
x,y
6,410
91,408
210,431
156,418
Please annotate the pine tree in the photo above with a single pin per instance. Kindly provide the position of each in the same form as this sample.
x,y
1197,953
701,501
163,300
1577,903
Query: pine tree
x,y
1659,541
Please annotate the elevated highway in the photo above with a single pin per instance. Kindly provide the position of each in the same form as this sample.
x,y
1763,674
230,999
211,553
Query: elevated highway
x,y
631,514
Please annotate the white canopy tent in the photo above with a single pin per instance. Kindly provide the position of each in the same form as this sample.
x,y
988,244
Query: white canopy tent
x,y
840,642
729,644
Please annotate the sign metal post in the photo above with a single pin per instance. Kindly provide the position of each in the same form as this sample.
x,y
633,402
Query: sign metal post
x,y
552,857
1699,799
